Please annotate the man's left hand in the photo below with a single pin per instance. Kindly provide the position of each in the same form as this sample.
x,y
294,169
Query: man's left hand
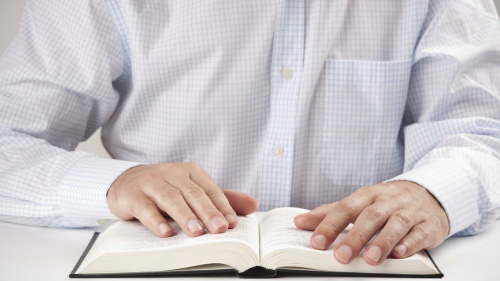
x,y
402,217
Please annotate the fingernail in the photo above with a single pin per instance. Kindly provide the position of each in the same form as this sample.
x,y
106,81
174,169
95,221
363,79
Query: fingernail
x,y
401,249
163,228
218,222
194,225
374,253
319,241
343,253
230,218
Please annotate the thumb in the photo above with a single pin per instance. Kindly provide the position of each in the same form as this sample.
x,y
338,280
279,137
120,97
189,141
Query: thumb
x,y
242,204
311,220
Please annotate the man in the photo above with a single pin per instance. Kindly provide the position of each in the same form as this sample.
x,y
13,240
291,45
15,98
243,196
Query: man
x,y
384,114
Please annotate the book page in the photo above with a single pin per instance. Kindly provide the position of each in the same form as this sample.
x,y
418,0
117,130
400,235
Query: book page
x,y
133,236
277,230
285,246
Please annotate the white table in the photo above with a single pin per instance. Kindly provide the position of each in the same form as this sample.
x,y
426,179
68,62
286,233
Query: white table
x,y
35,253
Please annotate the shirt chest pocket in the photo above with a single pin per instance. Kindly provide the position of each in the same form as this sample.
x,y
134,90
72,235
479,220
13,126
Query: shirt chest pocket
x,y
363,104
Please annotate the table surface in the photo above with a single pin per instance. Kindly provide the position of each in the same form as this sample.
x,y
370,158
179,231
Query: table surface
x,y
37,253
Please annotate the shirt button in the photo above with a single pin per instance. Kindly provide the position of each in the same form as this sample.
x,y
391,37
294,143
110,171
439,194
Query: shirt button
x,y
278,151
286,73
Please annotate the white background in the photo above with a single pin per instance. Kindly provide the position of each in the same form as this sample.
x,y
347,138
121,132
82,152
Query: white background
x,y
10,13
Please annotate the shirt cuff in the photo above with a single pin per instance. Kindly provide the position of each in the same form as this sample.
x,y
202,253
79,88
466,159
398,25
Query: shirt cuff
x,y
83,190
453,186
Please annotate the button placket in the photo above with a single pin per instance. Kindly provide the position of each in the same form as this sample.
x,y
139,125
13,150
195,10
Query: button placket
x,y
286,74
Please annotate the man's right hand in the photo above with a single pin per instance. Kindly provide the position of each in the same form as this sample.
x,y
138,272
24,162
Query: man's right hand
x,y
183,191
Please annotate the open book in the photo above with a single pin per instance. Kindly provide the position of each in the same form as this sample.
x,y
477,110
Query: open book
x,y
255,248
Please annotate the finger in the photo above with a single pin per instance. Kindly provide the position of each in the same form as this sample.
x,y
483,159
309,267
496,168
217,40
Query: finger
x,y
203,206
171,201
311,220
420,237
217,197
241,203
338,218
367,224
148,214
397,227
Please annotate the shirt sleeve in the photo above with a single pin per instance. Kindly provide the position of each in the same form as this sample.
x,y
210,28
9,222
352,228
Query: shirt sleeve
x,y
58,86
452,121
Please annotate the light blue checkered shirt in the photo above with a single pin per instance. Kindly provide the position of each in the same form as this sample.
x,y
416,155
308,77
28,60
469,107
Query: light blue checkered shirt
x,y
295,102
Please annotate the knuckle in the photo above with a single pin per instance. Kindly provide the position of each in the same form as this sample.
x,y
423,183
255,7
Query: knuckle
x,y
215,192
169,192
187,187
418,239
180,214
403,219
387,241
423,234
139,210
345,207
193,191
210,210
359,237
330,228
374,213
412,244
153,217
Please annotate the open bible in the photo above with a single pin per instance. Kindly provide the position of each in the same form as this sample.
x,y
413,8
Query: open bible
x,y
256,247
